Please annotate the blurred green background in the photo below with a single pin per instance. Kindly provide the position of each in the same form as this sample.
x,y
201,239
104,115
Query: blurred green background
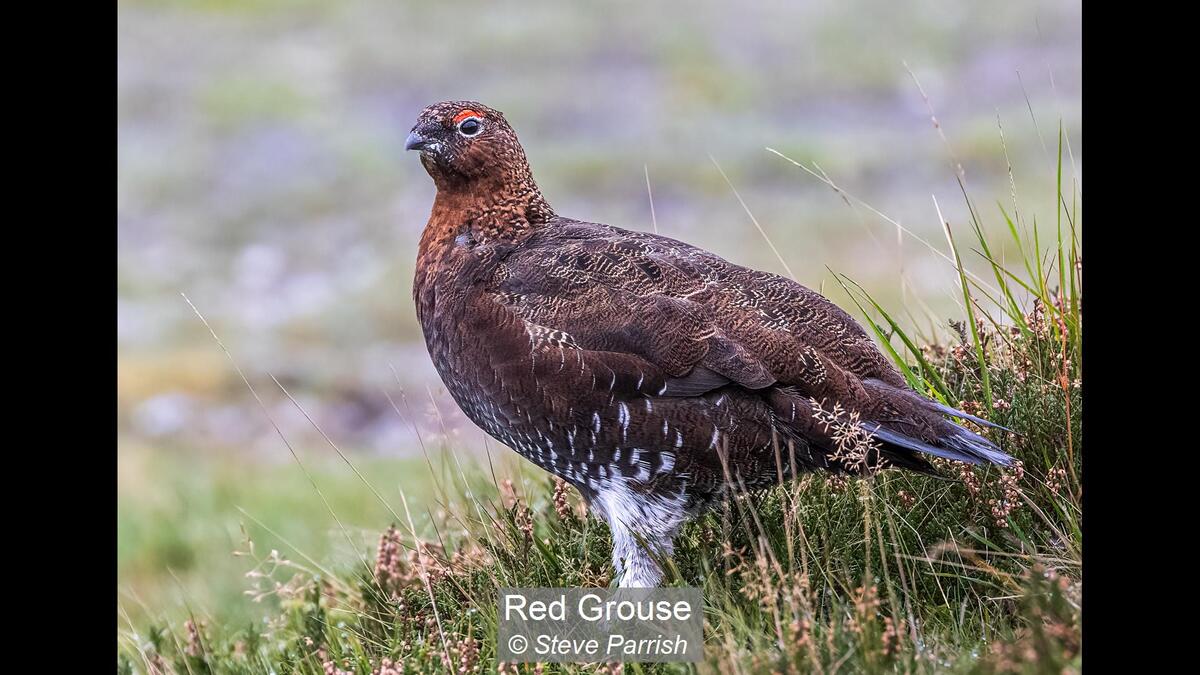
x,y
261,171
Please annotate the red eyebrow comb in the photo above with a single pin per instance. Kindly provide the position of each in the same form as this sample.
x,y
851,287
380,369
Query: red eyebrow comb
x,y
465,114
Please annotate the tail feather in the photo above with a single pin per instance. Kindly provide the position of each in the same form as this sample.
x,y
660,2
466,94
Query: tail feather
x,y
959,445
973,444
929,432
880,385
908,427
966,416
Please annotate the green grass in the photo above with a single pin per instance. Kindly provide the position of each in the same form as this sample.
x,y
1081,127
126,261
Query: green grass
x,y
975,571
180,513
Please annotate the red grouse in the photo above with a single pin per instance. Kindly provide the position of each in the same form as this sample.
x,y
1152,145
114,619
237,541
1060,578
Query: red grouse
x,y
652,375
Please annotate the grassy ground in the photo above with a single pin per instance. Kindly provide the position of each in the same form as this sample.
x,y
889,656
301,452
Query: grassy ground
x,y
975,571
181,514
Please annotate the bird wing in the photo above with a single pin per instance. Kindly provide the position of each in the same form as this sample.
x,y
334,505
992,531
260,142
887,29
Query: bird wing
x,y
699,320
647,315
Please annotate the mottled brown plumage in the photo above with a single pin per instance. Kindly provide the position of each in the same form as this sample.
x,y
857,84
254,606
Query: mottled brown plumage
x,y
649,373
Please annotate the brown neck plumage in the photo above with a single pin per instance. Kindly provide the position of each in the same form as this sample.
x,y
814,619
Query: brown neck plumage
x,y
503,203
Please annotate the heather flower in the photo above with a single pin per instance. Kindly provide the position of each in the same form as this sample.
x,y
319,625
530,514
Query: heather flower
x,y
892,636
966,473
562,507
1010,498
973,408
524,522
866,604
389,571
801,632
195,641
389,667
837,482
329,666
395,571
508,493
461,656
1056,479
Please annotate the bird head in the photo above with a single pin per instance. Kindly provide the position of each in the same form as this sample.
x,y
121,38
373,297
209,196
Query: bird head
x,y
463,142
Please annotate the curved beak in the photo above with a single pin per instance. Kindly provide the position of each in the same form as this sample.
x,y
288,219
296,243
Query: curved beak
x,y
415,141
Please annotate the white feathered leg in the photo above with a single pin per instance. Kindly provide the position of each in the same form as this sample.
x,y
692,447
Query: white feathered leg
x,y
632,515
632,560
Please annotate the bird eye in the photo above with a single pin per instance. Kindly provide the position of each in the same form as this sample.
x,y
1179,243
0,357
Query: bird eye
x,y
469,127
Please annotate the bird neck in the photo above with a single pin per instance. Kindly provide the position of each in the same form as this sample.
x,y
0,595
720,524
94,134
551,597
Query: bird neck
x,y
497,206
491,213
